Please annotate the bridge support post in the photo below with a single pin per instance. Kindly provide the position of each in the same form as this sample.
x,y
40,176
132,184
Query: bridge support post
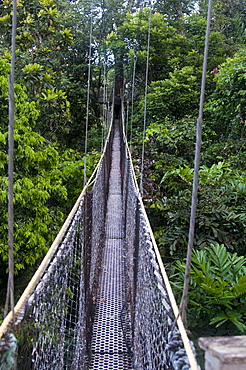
x,y
224,353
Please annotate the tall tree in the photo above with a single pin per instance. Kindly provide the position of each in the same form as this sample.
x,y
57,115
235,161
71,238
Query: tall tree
x,y
229,18
38,188
174,9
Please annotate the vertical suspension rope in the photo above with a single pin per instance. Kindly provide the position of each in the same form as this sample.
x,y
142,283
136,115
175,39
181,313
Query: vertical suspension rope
x,y
133,91
104,123
127,117
104,100
184,300
145,105
88,99
10,288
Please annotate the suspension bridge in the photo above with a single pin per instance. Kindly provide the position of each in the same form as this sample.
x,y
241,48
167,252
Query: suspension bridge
x,y
101,298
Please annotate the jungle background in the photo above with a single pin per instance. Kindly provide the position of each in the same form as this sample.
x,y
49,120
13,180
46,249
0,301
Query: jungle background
x,y
51,79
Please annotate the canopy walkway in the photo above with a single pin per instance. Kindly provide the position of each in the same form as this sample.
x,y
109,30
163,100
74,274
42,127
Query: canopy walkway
x,y
101,298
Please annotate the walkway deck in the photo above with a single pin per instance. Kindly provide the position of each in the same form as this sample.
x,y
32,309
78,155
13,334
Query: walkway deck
x,y
109,348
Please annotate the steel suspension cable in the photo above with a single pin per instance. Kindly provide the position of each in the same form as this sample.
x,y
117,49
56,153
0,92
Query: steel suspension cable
x,y
127,116
145,105
10,288
184,300
88,98
133,92
104,100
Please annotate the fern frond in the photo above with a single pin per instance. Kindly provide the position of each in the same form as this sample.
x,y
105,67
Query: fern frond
x,y
240,287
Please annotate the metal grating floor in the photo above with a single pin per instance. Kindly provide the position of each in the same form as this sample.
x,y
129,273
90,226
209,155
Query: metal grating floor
x,y
109,338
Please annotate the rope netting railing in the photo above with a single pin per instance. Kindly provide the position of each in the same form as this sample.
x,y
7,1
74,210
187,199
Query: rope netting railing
x,y
54,319
158,335
157,343
50,321
54,315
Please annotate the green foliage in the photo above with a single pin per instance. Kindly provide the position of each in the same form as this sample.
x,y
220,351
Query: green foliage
x,y
71,169
38,188
42,37
194,28
226,109
217,293
168,180
175,97
168,142
220,213
46,182
230,19
174,10
166,43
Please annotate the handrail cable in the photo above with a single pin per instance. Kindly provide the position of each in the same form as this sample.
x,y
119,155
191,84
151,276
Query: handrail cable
x,y
185,339
10,287
88,97
44,264
183,304
145,103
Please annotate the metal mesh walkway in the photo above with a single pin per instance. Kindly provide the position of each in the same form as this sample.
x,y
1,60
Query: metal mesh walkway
x,y
110,337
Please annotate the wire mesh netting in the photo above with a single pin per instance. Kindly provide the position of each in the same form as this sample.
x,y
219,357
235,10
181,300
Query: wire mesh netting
x,y
54,322
53,327
156,340
102,302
